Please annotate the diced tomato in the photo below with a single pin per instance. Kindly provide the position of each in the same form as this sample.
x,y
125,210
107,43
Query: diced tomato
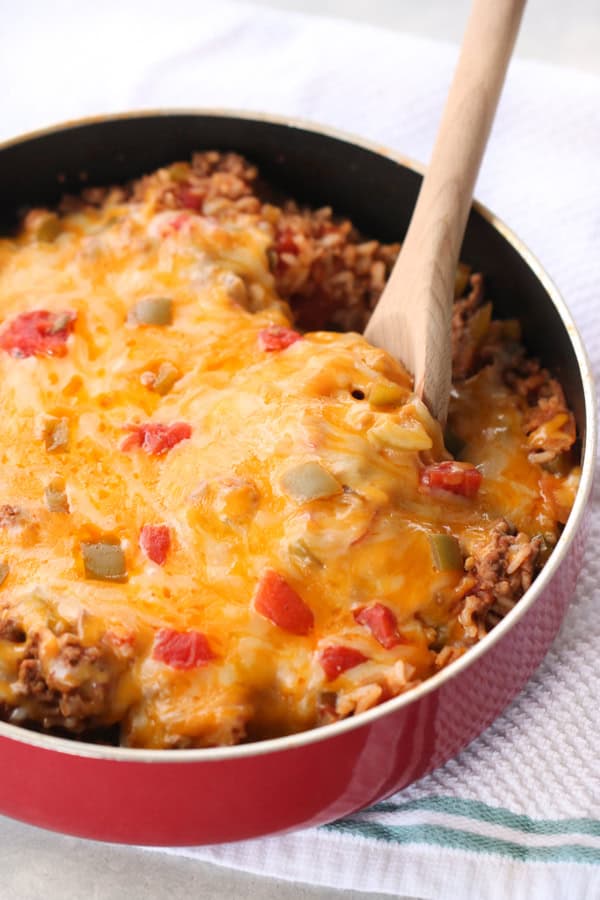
x,y
155,541
181,649
281,605
335,660
38,333
285,242
381,622
277,337
456,477
155,438
189,197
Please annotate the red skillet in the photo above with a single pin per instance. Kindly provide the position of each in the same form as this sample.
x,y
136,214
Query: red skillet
x,y
207,796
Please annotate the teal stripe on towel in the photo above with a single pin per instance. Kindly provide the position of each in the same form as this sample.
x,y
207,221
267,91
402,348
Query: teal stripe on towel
x,y
458,839
474,809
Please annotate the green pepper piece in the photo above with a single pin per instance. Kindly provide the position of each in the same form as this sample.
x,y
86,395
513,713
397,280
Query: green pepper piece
x,y
153,311
56,499
309,481
445,551
104,561
56,434
301,555
166,377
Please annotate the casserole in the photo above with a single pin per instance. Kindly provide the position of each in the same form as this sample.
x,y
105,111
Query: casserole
x,y
418,730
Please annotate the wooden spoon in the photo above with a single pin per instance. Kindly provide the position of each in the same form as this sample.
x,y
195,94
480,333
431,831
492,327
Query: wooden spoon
x,y
413,316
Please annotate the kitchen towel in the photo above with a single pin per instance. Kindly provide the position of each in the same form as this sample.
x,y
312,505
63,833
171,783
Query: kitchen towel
x,y
517,814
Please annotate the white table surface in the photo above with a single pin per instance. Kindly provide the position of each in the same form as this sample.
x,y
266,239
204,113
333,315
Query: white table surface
x,y
39,864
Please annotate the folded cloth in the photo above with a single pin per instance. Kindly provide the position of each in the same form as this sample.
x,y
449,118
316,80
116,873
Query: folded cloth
x,y
517,814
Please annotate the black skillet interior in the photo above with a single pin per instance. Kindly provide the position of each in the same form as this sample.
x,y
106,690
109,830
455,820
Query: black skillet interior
x,y
377,193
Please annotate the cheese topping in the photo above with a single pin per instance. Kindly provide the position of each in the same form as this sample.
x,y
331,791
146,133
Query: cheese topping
x,y
232,518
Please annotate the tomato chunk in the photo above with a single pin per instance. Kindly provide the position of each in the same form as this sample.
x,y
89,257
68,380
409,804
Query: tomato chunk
x,y
155,438
277,337
456,477
381,622
188,197
38,333
281,605
181,649
285,242
335,660
155,541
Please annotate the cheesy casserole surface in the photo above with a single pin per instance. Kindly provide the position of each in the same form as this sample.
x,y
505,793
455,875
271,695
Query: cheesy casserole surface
x,y
217,527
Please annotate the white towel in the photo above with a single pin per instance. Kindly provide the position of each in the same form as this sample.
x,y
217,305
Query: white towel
x,y
517,814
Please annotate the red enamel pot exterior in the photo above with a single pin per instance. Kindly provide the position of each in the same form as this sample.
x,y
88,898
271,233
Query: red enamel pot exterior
x,y
209,796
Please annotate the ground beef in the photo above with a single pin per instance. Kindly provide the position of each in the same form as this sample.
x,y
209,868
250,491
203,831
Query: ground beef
x,y
544,405
46,700
331,277
10,629
464,346
210,178
322,266
498,573
31,684
477,341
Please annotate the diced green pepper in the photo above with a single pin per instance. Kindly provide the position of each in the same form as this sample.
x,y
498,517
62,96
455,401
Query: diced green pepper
x,y
56,499
104,561
310,481
445,551
166,377
4,570
386,393
56,434
302,555
153,311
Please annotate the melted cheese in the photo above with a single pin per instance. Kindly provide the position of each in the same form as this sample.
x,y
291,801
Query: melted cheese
x,y
254,415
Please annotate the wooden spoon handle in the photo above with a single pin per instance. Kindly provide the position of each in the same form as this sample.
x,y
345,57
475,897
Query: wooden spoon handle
x,y
413,316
